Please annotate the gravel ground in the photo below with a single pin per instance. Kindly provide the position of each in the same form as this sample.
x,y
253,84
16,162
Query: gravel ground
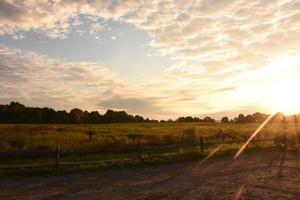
x,y
260,175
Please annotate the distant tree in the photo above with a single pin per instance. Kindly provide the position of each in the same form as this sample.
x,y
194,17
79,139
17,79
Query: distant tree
x,y
62,117
33,115
255,118
117,117
15,112
4,114
225,120
49,115
249,119
259,117
76,116
18,113
241,118
188,119
181,119
95,117
138,118
208,119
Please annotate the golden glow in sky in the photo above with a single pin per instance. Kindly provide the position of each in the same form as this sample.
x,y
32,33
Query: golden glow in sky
x,y
280,92
283,96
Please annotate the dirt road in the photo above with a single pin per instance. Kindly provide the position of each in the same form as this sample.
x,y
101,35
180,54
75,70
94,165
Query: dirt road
x,y
268,175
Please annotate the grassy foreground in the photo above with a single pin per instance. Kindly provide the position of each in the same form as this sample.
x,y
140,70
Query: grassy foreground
x,y
36,144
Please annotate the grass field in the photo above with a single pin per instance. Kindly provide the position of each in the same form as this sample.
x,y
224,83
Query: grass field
x,y
23,144
15,138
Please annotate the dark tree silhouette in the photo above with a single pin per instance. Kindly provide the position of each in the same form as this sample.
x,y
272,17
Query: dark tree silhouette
x,y
77,116
241,118
18,113
189,119
225,120
208,119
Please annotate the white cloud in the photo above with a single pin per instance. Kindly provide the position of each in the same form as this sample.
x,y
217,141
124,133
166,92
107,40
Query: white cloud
x,y
38,80
194,28
214,43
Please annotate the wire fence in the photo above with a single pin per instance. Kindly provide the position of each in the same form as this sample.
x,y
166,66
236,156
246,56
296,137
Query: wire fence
x,y
57,155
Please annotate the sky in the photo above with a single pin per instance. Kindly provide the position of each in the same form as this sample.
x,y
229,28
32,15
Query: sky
x,y
157,58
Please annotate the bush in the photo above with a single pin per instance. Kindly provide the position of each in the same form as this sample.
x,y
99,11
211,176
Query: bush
x,y
189,136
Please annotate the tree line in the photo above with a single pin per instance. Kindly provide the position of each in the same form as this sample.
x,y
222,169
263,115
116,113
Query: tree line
x,y
195,119
18,113
260,118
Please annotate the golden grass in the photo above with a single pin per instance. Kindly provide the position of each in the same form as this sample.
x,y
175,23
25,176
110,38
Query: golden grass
x,y
14,138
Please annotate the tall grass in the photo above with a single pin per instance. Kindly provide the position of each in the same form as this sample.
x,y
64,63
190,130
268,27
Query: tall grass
x,y
18,138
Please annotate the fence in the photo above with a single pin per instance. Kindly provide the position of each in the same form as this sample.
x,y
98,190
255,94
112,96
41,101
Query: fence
x,y
202,145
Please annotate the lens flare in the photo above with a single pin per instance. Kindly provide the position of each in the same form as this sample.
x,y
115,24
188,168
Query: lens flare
x,y
253,136
211,154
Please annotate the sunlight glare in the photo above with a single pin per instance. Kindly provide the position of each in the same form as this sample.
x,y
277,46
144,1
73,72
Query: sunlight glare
x,y
253,136
283,96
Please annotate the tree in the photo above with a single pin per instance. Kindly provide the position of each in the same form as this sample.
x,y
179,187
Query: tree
x,y
241,118
188,119
259,117
18,113
15,112
76,116
33,115
208,119
49,115
138,118
249,119
225,120
95,117
62,117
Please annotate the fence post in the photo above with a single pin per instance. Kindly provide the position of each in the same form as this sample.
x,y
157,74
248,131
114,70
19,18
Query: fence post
x,y
140,154
285,142
90,135
202,144
57,156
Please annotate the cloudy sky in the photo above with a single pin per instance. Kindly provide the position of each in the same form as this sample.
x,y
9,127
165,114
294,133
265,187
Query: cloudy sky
x,y
157,58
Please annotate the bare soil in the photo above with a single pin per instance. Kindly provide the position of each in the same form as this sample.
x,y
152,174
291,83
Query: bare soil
x,y
260,175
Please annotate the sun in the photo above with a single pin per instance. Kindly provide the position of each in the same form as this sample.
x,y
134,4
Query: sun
x,y
282,96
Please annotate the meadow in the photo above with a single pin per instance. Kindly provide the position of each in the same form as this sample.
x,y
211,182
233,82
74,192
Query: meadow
x,y
36,144
17,138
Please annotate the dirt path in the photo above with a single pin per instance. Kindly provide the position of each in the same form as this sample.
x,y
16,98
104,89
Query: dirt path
x,y
268,175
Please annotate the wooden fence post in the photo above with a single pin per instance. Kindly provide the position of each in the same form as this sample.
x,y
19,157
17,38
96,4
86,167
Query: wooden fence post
x,y
140,154
202,144
57,156
90,135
